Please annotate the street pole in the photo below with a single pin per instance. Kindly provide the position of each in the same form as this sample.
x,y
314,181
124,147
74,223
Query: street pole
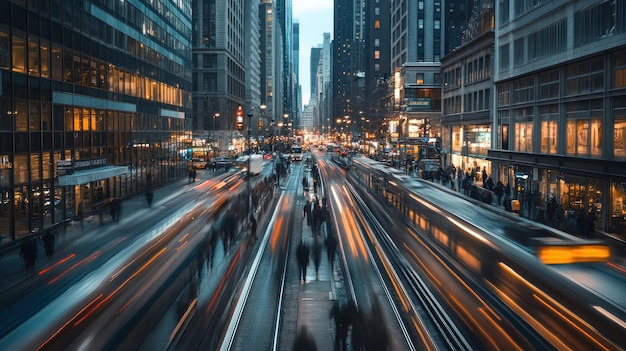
x,y
249,161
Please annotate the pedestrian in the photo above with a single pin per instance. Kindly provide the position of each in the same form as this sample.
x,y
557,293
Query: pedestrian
x,y
499,191
317,257
48,243
305,183
302,254
331,248
193,174
307,211
253,226
149,197
342,320
190,170
28,251
304,341
507,203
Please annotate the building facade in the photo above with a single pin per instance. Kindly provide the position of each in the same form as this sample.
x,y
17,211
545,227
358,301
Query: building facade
x,y
466,127
219,70
560,111
94,97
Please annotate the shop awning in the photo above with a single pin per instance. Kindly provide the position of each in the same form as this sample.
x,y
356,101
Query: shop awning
x,y
91,175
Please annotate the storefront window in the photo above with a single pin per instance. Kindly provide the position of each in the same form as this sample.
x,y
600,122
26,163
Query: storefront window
x,y
549,129
617,222
619,139
524,137
456,139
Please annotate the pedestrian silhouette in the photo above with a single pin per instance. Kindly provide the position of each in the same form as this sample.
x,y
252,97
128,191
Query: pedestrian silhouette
x,y
304,341
253,226
28,251
149,197
317,256
302,254
48,243
331,248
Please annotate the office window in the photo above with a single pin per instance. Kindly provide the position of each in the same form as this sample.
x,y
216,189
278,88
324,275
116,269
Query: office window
x,y
584,128
419,78
523,138
504,57
376,42
518,52
620,69
619,139
19,53
549,84
5,48
377,24
377,54
549,128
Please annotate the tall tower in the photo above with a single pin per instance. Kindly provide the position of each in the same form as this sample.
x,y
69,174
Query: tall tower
x,y
219,49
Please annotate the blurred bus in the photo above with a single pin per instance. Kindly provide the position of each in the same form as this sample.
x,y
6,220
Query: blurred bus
x,y
296,152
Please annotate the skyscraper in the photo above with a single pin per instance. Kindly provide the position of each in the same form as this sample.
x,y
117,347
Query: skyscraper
x,y
94,98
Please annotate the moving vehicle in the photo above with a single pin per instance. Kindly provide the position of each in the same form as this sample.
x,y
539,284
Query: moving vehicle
x,y
198,163
222,163
256,163
296,152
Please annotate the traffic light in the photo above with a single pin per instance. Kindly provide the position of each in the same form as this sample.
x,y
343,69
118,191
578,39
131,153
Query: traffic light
x,y
239,118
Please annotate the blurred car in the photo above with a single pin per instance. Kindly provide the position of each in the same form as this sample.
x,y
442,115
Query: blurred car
x,y
223,162
198,163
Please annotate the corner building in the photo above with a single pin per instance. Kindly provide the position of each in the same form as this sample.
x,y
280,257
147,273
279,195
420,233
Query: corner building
x,y
560,107
94,98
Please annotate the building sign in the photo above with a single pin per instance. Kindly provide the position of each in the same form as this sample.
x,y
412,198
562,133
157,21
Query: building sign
x,y
67,167
417,104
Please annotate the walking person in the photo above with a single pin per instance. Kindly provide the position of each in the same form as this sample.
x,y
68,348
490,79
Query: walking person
x,y
331,248
304,341
302,254
48,243
317,257
149,197
253,226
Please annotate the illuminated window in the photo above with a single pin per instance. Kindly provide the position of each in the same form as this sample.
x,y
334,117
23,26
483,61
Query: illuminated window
x,y
377,24
377,54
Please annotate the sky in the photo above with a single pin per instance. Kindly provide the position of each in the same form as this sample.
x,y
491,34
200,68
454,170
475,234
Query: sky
x,y
316,18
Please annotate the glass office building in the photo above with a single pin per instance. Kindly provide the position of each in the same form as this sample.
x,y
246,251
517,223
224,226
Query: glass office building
x,y
93,99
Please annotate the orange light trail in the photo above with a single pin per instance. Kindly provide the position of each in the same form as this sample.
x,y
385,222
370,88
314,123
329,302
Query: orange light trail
x,y
220,287
46,270
110,296
92,257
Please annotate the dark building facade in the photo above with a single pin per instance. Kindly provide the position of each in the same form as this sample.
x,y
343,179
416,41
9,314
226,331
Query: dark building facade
x,y
94,98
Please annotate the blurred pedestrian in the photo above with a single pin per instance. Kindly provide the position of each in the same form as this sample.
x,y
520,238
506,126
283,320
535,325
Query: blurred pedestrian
x,y
302,254
48,243
190,170
331,248
317,256
28,251
304,341
507,203
149,197
341,316
253,226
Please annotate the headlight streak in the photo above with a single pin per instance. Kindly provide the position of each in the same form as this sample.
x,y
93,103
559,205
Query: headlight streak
x,y
498,327
58,331
556,308
452,272
110,296
88,259
48,269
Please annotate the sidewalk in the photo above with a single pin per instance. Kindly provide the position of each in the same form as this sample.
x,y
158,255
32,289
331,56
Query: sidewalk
x,y
70,238
315,297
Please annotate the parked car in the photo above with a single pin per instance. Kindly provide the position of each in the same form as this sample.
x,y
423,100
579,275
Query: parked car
x,y
198,163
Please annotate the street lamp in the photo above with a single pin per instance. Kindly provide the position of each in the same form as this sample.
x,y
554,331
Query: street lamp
x,y
249,160
262,108
215,115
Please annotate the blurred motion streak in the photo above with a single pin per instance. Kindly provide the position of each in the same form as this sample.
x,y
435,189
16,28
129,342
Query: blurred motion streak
x,y
564,254
222,284
91,257
502,331
276,232
183,242
67,323
558,310
48,269
121,286
182,320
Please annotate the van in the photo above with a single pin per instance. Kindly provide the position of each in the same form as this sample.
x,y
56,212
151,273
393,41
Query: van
x,y
256,163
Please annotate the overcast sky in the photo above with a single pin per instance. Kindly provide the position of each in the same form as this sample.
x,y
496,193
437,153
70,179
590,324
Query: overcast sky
x,y
316,18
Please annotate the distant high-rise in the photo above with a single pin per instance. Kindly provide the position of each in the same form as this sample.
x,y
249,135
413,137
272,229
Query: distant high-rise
x,y
219,48
315,61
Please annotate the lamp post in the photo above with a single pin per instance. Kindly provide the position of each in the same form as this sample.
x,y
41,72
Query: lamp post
x,y
262,108
249,161
215,115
